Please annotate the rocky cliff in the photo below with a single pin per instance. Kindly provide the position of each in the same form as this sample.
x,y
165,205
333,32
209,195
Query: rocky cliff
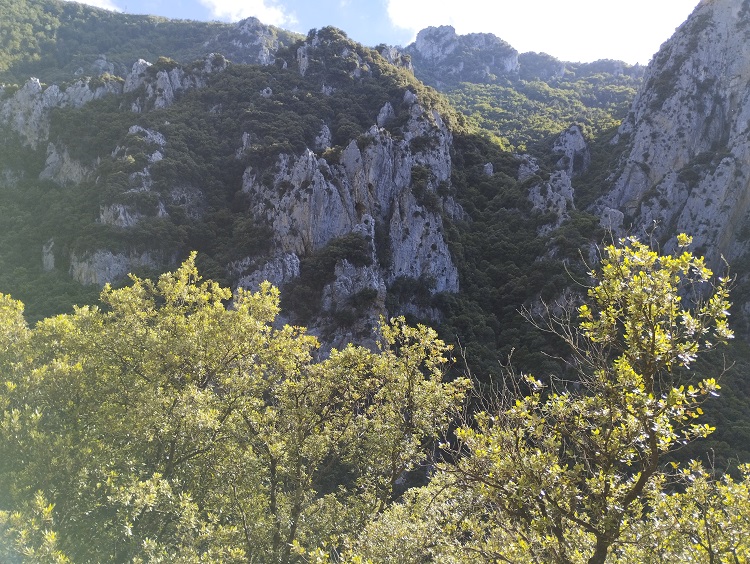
x,y
27,110
382,186
442,57
55,41
363,194
687,167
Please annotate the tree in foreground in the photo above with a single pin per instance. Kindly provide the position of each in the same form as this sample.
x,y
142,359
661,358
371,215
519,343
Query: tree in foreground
x,y
575,471
166,426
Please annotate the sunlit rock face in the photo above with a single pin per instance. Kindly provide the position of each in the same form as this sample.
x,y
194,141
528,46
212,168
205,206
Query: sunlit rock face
x,y
555,195
381,186
687,168
443,57
27,111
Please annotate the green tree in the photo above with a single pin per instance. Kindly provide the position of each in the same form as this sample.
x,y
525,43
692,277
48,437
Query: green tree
x,y
570,473
167,426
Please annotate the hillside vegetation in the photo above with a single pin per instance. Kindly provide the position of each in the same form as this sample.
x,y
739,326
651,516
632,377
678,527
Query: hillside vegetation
x,y
55,40
167,426
550,416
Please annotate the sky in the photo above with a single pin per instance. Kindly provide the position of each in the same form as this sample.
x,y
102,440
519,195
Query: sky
x,y
571,30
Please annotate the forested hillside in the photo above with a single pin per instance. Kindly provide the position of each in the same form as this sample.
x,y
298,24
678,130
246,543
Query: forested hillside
x,y
453,184
196,198
56,41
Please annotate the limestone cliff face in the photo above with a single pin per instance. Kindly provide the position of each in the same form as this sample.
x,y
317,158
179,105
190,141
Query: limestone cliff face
x,y
27,111
688,163
250,42
555,195
103,266
158,87
386,185
441,57
380,186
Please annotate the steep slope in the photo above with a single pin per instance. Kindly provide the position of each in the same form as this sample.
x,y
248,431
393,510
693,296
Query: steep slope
x,y
523,100
442,58
327,173
54,40
687,166
326,170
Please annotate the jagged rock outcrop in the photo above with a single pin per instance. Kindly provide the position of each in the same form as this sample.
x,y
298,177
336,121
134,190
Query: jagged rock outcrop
x,y
62,169
102,267
27,111
381,187
574,153
161,85
396,57
250,42
441,57
122,215
278,270
48,256
687,167
555,195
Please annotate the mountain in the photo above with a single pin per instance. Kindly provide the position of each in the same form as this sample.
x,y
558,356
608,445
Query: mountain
x,y
54,40
455,182
523,100
687,161
332,170
319,164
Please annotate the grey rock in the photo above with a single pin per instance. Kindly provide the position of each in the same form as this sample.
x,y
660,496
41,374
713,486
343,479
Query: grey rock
x,y
250,42
278,270
61,169
48,256
312,201
575,156
555,196
161,88
385,115
27,112
101,66
118,215
396,57
302,59
687,166
324,139
527,167
103,266
441,57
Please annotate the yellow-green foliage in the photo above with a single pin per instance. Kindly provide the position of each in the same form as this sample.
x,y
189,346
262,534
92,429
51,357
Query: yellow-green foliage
x,y
167,426
576,472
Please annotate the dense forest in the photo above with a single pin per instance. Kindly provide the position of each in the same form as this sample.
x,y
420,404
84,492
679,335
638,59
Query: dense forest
x,y
567,395
164,426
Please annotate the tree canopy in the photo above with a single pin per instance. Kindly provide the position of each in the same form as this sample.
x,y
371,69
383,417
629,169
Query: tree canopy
x,y
576,471
180,422
166,425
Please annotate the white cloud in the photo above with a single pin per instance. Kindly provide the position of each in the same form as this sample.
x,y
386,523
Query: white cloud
x,y
106,4
268,11
575,30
